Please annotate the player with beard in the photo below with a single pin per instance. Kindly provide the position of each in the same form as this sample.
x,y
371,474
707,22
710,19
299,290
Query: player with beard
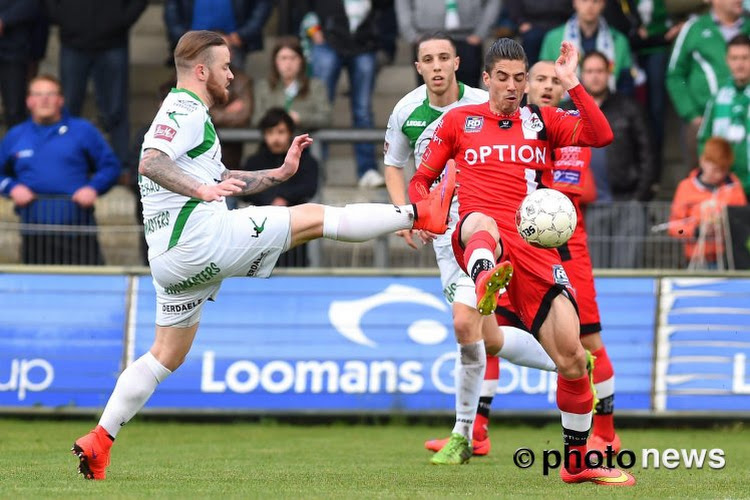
x,y
194,241
410,127
500,149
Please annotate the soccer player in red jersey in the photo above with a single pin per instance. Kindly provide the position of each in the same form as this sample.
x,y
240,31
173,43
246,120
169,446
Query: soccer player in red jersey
x,y
571,175
500,150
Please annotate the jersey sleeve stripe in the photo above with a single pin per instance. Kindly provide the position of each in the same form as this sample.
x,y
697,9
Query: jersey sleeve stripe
x,y
423,164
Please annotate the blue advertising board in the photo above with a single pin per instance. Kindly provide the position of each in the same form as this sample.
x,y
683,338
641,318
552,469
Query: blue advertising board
x,y
61,339
704,345
338,344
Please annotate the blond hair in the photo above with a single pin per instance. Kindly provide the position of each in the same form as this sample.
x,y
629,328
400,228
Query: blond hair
x,y
193,48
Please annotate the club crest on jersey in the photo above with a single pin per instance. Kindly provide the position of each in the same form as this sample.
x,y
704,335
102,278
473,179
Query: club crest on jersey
x,y
533,123
559,275
473,123
164,132
505,124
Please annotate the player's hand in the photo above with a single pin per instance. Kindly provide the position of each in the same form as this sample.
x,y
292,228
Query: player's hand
x,y
406,234
291,161
426,236
85,196
21,195
217,192
566,65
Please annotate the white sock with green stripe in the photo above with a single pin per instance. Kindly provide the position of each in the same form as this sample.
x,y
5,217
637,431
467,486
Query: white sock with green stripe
x,y
365,221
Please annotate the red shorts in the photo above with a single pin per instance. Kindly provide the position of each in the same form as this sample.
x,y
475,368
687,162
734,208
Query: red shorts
x,y
577,263
538,274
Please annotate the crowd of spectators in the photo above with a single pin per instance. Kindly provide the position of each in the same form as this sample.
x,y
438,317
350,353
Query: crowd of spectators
x,y
635,53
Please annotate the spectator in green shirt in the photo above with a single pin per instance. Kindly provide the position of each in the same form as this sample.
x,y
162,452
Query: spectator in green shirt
x,y
728,112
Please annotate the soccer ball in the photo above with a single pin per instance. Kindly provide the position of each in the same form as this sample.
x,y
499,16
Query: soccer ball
x,y
546,218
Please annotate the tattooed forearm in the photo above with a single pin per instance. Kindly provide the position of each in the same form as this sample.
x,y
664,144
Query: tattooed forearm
x,y
255,182
158,167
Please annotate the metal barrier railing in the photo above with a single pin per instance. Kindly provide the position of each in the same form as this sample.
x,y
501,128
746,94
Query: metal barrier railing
x,y
620,234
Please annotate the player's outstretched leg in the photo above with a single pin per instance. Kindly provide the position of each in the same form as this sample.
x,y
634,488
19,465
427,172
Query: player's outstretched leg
x,y
359,222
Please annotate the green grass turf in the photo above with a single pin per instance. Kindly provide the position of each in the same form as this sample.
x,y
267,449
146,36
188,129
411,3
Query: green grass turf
x,y
246,460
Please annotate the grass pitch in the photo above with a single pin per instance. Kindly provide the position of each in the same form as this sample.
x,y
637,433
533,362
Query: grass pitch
x,y
247,460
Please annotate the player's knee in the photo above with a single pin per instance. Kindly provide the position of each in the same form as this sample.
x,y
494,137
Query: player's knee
x,y
466,328
476,222
571,362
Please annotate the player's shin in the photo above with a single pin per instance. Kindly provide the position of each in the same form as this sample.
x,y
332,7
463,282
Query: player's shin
x,y
134,386
486,395
480,253
522,349
574,399
604,383
365,221
469,374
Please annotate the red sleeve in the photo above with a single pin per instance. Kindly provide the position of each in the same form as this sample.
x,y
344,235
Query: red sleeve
x,y
585,127
441,148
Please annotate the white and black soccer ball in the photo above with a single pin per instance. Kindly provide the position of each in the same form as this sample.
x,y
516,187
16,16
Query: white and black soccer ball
x,y
546,218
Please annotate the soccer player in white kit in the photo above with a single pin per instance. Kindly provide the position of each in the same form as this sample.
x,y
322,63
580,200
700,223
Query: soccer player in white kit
x,y
195,241
410,128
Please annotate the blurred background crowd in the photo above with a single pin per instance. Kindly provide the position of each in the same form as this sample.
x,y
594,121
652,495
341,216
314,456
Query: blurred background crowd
x,y
80,81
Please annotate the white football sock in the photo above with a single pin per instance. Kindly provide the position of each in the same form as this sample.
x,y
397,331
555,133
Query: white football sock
x,y
522,349
365,221
134,386
470,367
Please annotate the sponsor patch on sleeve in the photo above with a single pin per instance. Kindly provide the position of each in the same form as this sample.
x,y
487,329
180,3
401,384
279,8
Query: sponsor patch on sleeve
x,y
572,177
164,132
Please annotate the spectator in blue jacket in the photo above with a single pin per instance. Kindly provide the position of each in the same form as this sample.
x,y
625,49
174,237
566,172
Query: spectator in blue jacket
x,y
242,20
54,166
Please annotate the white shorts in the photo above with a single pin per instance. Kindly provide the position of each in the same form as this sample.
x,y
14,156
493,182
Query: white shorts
x,y
243,242
457,285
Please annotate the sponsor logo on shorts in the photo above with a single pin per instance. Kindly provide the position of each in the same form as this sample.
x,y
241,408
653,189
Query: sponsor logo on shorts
x,y
164,132
159,221
255,265
258,228
559,275
180,308
204,276
473,123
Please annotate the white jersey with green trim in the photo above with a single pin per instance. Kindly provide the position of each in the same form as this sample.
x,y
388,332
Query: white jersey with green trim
x,y
182,130
413,121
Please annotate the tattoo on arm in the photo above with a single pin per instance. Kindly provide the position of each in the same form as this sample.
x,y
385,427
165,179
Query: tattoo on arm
x,y
161,169
256,181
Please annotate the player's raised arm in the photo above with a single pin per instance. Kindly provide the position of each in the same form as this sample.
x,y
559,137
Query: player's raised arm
x,y
592,128
260,180
436,155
